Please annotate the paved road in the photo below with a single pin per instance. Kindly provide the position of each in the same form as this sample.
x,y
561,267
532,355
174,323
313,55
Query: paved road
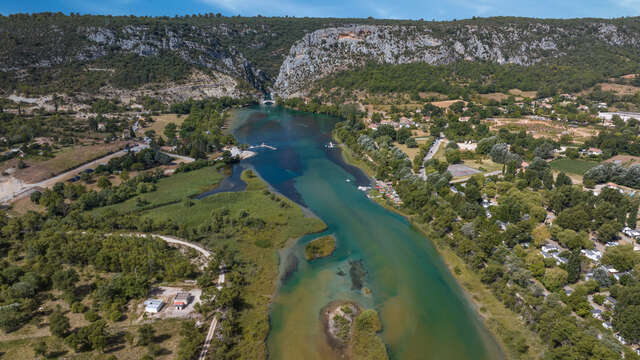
x,y
28,188
432,151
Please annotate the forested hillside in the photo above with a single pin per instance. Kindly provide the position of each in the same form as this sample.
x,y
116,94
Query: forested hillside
x,y
44,52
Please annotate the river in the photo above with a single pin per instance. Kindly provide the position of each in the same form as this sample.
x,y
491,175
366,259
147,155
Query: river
x,y
424,312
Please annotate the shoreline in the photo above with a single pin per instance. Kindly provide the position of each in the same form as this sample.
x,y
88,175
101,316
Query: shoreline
x,y
453,262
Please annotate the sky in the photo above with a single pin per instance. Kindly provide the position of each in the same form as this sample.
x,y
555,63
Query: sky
x,y
395,9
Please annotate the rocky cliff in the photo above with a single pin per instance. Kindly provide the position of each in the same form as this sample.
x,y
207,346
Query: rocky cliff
x,y
294,52
62,45
326,51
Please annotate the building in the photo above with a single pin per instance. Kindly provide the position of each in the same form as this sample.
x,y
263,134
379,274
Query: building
x,y
607,325
181,300
153,306
597,314
594,255
608,116
594,151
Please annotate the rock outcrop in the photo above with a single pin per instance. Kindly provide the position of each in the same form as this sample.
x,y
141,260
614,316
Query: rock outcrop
x,y
326,51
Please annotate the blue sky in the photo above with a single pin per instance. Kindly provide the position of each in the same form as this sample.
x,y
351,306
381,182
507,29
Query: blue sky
x,y
397,9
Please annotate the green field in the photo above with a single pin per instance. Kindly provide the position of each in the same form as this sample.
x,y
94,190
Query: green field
x,y
578,167
173,189
263,222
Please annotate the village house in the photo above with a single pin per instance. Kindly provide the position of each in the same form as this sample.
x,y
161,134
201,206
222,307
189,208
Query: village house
x,y
592,151
181,300
153,306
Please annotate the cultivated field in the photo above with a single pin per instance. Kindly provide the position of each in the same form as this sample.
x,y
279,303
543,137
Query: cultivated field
x,y
160,121
65,159
572,166
541,128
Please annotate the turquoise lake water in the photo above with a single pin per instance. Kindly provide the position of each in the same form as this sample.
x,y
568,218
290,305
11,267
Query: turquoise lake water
x,y
424,312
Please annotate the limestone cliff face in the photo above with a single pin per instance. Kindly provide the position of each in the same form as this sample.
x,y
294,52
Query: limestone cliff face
x,y
197,45
326,51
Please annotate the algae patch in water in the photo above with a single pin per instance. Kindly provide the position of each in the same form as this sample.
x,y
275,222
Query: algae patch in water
x,y
290,267
357,273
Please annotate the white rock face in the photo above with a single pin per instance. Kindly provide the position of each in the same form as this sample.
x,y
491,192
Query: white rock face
x,y
327,51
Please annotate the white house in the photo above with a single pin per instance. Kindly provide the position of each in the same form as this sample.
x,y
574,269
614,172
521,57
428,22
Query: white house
x,y
153,306
597,314
594,255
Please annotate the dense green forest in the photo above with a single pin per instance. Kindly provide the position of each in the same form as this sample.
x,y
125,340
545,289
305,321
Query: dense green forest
x,y
462,79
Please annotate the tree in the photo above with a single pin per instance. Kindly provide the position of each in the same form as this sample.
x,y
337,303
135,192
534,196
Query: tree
x,y
572,239
602,277
402,135
453,156
547,180
555,278
608,232
170,131
499,153
146,333
562,179
104,183
65,280
35,197
626,318
59,324
573,267
622,257
40,349
545,150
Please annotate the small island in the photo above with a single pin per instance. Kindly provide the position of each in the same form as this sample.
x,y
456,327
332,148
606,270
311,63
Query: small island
x,y
320,247
352,331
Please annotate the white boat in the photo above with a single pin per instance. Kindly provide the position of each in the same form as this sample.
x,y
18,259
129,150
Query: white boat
x,y
348,180
331,145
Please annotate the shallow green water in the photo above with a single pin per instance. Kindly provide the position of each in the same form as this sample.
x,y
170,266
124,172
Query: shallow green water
x,y
423,310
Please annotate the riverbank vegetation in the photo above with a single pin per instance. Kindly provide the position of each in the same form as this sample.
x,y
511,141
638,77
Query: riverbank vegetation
x,y
67,258
495,233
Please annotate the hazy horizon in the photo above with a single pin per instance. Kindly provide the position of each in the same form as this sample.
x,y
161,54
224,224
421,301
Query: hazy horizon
x,y
403,9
